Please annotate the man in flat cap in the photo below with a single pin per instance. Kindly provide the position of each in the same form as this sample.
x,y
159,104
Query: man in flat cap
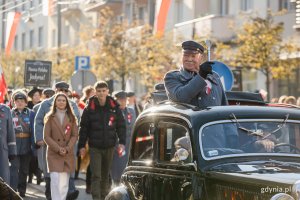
x,y
132,103
44,108
195,83
120,160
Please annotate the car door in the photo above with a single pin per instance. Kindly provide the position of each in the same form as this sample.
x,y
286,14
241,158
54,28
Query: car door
x,y
171,177
139,168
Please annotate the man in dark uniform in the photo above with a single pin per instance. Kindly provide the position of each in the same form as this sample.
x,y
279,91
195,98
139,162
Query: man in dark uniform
x,y
8,148
120,159
22,125
194,83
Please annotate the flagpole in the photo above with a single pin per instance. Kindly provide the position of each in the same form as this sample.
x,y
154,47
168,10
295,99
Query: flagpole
x,y
3,26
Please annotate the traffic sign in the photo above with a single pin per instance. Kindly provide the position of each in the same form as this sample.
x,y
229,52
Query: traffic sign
x,y
82,63
82,78
225,74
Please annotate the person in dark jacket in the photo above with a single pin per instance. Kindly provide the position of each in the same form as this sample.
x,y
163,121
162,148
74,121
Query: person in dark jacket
x,y
103,126
195,83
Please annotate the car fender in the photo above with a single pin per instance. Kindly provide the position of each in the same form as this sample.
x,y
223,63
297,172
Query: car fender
x,y
118,193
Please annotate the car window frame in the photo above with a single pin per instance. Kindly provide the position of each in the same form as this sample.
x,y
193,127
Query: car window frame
x,y
207,159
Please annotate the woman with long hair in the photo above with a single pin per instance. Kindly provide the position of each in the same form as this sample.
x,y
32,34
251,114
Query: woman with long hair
x,y
60,135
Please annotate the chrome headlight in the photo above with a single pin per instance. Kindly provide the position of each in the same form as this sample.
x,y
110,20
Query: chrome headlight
x,y
282,196
296,189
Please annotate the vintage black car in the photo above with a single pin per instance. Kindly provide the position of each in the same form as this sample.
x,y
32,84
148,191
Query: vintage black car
x,y
179,151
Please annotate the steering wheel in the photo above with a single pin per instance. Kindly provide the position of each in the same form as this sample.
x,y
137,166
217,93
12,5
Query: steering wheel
x,y
293,149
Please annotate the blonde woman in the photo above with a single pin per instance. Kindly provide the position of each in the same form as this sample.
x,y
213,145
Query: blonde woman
x,y
60,135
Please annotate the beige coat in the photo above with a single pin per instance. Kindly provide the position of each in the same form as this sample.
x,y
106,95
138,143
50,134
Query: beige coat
x,y
56,136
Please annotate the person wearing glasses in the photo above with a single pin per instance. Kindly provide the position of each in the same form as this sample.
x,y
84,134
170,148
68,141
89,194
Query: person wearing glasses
x,y
60,87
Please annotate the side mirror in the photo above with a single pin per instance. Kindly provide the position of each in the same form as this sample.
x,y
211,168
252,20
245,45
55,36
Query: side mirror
x,y
182,154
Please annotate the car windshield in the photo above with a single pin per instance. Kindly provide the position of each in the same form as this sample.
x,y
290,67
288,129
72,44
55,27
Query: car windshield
x,y
251,136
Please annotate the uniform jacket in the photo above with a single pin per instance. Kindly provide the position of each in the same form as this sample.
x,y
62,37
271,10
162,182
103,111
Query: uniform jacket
x,y
56,136
7,141
119,163
186,87
22,122
102,126
44,108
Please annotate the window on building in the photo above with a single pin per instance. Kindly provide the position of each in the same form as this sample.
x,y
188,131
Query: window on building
x,y
286,5
53,38
174,141
23,42
142,14
41,35
246,5
143,142
16,43
128,11
67,34
23,4
31,38
31,3
224,7
179,6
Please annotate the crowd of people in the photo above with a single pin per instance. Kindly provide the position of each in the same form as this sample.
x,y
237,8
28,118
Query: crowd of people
x,y
287,100
48,133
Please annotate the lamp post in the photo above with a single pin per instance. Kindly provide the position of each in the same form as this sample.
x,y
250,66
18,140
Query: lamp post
x,y
58,31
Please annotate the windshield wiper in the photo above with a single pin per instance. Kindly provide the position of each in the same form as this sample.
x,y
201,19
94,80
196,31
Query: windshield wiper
x,y
260,133
248,131
279,127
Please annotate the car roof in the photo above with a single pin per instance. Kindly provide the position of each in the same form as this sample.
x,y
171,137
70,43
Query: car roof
x,y
215,113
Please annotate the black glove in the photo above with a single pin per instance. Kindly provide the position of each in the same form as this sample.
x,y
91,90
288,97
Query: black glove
x,y
11,157
205,69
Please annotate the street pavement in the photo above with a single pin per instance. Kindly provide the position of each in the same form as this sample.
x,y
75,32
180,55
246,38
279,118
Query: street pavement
x,y
36,192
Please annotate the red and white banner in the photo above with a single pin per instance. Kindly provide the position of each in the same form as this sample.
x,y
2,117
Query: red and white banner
x,y
162,16
3,87
12,22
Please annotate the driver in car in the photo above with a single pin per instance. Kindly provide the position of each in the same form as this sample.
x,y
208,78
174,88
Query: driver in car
x,y
183,150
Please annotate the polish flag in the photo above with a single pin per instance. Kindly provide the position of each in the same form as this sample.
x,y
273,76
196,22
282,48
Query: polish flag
x,y
12,22
162,16
2,86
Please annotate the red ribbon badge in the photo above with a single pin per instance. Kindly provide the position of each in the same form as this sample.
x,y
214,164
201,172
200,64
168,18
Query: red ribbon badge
x,y
129,117
68,128
111,121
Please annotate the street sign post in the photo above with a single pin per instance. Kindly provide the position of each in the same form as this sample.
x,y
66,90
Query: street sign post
x,y
225,74
82,78
82,63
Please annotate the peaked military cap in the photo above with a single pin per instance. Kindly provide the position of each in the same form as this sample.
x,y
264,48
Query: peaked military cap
x,y
130,94
119,94
192,47
62,85
34,90
48,92
20,95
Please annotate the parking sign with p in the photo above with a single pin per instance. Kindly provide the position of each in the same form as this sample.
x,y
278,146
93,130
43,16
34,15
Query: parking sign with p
x,y
82,63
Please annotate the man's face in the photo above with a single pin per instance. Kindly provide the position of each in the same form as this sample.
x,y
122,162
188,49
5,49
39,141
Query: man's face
x,y
102,93
36,97
20,104
191,61
122,102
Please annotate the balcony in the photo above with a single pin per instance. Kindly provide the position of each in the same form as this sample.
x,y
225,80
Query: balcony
x,y
97,5
69,10
211,26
